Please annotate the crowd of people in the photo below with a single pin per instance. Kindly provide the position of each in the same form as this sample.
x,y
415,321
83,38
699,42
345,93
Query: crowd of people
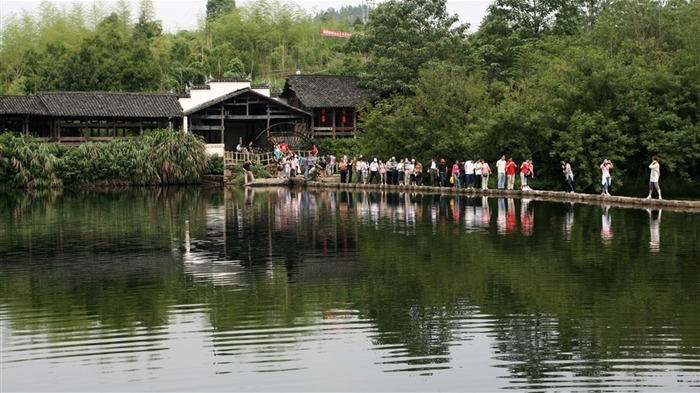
x,y
461,174
468,174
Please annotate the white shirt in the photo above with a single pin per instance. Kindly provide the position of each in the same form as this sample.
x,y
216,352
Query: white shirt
x,y
655,172
477,168
501,165
469,167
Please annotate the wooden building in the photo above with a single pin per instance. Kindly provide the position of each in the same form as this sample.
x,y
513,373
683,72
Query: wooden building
x,y
331,100
76,117
223,111
243,115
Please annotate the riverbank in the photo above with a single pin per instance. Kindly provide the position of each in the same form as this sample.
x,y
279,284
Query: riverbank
x,y
538,195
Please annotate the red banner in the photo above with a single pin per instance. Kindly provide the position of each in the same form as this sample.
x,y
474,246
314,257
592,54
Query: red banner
x,y
334,33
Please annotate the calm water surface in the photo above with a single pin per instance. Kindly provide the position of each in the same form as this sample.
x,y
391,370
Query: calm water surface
x,y
211,290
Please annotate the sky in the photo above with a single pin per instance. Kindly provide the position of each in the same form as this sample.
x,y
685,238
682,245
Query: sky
x,y
183,14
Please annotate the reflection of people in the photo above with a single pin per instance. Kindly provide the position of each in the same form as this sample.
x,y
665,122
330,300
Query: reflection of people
x,y
654,176
654,230
527,217
485,212
568,220
606,233
501,217
510,216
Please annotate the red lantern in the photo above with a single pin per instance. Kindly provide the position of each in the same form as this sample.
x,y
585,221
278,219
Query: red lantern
x,y
343,119
323,115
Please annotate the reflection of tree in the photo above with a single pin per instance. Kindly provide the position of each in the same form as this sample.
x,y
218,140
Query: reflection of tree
x,y
555,303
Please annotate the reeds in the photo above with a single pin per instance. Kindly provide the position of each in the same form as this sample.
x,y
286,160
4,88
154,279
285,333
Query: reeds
x,y
162,158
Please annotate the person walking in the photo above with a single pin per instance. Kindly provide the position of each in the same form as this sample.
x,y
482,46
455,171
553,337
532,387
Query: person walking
x,y
408,171
469,171
374,172
527,170
442,171
568,176
358,169
382,173
418,173
433,172
654,176
248,172
501,168
343,169
605,176
510,172
455,174
477,173
485,174
351,168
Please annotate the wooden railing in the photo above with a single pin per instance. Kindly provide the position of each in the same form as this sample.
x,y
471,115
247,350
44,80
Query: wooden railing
x,y
264,158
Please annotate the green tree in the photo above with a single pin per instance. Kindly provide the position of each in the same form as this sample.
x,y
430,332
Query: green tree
x,y
403,36
215,8
439,120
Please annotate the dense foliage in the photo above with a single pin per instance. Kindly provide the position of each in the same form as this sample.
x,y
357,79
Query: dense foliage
x,y
621,83
546,80
161,158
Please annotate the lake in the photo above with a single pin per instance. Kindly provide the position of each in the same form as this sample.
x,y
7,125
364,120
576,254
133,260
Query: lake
x,y
194,289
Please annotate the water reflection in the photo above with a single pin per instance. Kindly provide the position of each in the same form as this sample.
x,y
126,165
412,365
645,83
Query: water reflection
x,y
606,233
654,230
527,217
568,220
400,291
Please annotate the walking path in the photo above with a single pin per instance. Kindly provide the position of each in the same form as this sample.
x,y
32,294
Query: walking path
x,y
539,195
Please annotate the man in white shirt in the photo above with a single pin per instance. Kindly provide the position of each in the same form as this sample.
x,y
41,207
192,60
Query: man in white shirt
x,y
469,171
433,172
373,171
501,165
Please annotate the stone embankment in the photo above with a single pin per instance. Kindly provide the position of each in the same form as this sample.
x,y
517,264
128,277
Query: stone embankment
x,y
539,195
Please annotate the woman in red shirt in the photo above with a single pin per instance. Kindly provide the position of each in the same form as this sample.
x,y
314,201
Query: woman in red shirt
x,y
510,173
526,169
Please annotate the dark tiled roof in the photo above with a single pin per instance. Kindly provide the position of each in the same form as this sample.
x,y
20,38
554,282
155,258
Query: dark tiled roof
x,y
108,104
327,91
246,90
93,104
21,105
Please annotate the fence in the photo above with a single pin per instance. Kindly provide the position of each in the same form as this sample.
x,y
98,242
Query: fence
x,y
264,158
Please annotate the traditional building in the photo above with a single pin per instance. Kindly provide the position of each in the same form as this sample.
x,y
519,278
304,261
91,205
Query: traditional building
x,y
333,102
76,117
225,112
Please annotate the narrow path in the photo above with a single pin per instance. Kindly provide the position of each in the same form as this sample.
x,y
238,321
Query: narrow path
x,y
538,195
